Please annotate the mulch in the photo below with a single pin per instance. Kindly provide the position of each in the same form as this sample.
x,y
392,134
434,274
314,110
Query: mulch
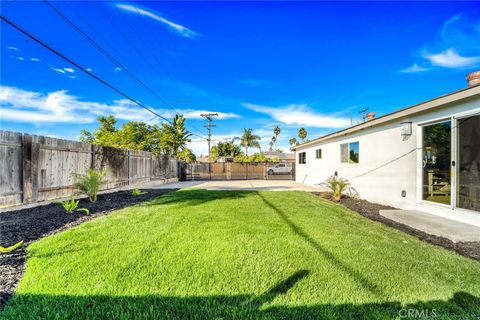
x,y
31,224
370,210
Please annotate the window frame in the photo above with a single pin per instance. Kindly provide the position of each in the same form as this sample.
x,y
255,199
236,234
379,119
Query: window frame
x,y
348,154
317,153
302,157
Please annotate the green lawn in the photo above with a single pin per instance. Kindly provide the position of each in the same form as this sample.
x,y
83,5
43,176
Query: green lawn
x,y
197,254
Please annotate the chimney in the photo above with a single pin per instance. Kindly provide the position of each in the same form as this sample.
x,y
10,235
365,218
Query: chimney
x,y
473,79
370,116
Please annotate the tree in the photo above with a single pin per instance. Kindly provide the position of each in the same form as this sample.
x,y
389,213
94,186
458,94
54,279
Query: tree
x,y
270,144
293,142
169,139
273,143
276,132
174,137
186,155
226,149
302,134
249,140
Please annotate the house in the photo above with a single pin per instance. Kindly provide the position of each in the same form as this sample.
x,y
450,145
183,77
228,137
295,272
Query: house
x,y
425,157
282,156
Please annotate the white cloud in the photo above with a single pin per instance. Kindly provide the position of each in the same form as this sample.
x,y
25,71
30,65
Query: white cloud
x,y
457,34
66,71
59,70
89,70
415,68
19,105
299,114
20,58
177,28
451,59
117,69
35,59
13,48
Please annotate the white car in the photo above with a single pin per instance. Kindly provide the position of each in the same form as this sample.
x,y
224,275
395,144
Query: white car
x,y
280,168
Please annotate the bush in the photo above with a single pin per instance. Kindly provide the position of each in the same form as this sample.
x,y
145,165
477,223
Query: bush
x,y
337,186
90,183
71,205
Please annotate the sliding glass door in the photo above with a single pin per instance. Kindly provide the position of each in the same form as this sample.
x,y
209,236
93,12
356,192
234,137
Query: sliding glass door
x,y
468,167
436,161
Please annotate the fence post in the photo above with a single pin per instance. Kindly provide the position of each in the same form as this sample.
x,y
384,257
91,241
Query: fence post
x,y
94,155
128,166
30,155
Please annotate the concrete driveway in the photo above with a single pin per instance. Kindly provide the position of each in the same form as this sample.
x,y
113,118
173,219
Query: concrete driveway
x,y
270,185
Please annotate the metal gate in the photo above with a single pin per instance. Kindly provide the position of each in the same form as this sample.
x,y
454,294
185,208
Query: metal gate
x,y
240,171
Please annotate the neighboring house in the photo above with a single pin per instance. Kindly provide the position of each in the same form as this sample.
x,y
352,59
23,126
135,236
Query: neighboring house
x,y
425,157
282,156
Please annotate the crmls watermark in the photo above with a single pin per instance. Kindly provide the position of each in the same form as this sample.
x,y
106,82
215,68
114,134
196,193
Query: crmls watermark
x,y
417,313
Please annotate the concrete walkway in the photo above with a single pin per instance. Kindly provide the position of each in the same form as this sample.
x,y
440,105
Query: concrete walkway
x,y
435,225
270,185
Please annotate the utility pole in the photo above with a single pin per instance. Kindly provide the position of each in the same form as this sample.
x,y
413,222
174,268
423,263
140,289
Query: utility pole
x,y
209,126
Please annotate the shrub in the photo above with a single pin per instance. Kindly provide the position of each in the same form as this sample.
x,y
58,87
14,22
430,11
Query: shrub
x,y
90,183
137,192
71,205
337,186
11,248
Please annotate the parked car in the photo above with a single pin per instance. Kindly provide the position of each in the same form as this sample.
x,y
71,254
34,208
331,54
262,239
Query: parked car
x,y
280,168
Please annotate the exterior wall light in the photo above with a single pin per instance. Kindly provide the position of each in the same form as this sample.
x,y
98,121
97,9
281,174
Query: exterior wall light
x,y
406,129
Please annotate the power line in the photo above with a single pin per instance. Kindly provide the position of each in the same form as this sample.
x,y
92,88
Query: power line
x,y
151,50
71,61
105,52
91,74
114,60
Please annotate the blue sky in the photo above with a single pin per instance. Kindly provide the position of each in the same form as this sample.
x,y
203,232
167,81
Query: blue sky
x,y
259,64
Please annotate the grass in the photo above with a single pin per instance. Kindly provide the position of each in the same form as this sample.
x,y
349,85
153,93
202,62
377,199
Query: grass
x,y
197,254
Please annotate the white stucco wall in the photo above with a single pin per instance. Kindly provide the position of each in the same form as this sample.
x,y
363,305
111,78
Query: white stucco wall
x,y
395,164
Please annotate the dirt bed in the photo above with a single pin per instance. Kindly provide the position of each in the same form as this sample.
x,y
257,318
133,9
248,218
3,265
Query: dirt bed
x,y
31,224
371,211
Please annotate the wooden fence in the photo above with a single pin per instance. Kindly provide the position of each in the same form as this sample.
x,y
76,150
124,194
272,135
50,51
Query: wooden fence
x,y
37,168
239,171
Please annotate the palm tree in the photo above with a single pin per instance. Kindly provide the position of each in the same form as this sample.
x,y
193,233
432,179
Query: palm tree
x,y
274,143
293,142
276,132
249,140
302,134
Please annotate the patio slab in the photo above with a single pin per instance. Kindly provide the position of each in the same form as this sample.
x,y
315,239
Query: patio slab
x,y
270,185
435,225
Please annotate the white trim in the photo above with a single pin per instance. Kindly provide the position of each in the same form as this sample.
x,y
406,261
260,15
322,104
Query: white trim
x,y
421,125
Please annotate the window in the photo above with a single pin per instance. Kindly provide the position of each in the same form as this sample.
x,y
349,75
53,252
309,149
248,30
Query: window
x,y
349,152
318,153
280,165
302,158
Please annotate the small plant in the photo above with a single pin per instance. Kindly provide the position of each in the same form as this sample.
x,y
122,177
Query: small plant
x,y
337,186
72,205
137,192
11,248
90,183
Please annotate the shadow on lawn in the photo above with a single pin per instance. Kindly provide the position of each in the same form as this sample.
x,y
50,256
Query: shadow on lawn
x,y
329,256
461,306
195,197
